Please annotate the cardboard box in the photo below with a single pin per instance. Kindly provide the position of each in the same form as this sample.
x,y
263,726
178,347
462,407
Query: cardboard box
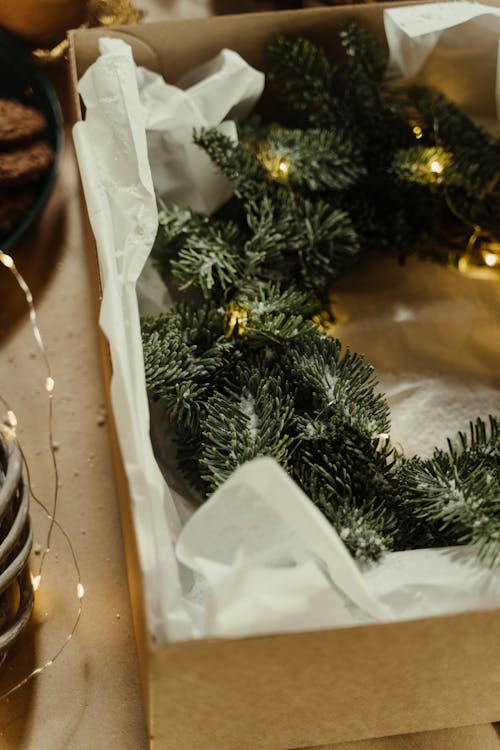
x,y
298,690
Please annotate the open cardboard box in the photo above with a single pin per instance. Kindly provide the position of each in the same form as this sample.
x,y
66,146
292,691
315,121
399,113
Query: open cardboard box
x,y
305,689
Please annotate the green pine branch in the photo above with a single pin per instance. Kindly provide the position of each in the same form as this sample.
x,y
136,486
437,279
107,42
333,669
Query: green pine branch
x,y
247,176
457,492
301,66
316,160
351,165
336,385
248,417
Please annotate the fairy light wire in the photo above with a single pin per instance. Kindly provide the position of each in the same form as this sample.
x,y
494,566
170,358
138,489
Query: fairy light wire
x,y
9,263
477,231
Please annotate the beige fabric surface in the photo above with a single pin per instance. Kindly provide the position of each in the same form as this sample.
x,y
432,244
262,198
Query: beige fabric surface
x,y
91,695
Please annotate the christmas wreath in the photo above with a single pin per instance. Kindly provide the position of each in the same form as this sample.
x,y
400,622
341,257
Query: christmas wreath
x,y
244,365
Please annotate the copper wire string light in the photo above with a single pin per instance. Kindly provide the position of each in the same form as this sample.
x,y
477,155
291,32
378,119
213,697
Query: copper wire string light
x,y
11,422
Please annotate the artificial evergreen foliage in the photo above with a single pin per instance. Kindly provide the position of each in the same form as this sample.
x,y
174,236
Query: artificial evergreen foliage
x,y
243,369
458,491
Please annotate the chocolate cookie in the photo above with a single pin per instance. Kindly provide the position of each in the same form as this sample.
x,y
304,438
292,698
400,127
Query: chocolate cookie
x,y
14,204
19,123
25,164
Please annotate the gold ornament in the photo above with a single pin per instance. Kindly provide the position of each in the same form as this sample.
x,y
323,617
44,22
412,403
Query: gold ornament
x,y
41,21
98,13
113,13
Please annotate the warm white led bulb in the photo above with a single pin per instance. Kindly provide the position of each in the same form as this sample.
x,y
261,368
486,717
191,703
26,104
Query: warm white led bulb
x,y
80,591
35,580
11,418
436,167
49,384
283,167
417,132
7,260
491,259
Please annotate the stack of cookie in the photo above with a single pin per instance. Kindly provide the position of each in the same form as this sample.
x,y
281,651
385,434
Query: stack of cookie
x,y
25,157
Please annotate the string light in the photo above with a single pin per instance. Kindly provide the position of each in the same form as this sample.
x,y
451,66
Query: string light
x,y
463,264
238,318
491,259
7,260
283,168
473,258
11,419
277,166
418,132
479,261
325,321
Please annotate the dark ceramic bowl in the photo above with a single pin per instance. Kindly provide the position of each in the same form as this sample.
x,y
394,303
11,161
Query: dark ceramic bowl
x,y
21,79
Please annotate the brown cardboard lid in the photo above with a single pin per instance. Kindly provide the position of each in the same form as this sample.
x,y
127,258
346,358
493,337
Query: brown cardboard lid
x,y
193,41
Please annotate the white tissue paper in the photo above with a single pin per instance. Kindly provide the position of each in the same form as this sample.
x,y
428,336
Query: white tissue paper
x,y
454,46
258,557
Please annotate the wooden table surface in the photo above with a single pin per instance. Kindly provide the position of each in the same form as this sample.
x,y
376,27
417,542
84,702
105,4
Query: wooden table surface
x,y
91,696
